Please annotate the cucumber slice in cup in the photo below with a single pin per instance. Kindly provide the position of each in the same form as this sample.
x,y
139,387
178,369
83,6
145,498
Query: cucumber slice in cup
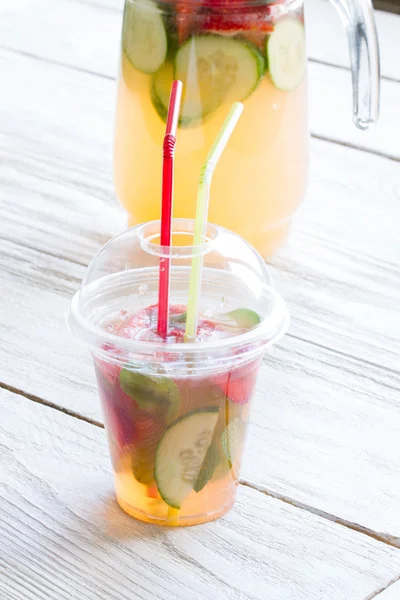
x,y
216,70
181,453
232,440
144,39
243,317
286,54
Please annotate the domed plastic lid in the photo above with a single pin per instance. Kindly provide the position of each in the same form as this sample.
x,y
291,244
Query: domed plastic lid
x,y
122,282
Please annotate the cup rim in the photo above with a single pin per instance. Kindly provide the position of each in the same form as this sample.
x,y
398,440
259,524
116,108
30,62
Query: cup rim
x,y
267,332
180,226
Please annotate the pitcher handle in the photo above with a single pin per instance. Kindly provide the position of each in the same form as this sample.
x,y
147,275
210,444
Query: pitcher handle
x,y
358,18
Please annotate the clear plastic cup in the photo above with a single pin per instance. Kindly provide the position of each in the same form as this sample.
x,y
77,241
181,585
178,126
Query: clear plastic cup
x,y
176,413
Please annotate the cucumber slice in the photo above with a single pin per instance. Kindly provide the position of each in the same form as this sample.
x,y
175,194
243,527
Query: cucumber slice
x,y
286,54
232,440
181,453
160,92
242,317
144,39
207,469
143,464
151,394
161,89
216,70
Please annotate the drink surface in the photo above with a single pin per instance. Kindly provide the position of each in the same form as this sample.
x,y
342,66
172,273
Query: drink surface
x,y
176,442
223,52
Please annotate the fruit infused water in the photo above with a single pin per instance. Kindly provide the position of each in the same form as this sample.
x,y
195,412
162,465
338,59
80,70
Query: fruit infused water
x,y
222,51
176,411
176,442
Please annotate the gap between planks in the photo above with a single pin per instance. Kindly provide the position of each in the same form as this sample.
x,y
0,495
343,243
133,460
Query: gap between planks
x,y
381,592
320,61
38,400
325,138
317,136
385,539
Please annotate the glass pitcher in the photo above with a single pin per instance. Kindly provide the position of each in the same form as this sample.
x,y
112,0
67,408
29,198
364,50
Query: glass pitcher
x,y
252,51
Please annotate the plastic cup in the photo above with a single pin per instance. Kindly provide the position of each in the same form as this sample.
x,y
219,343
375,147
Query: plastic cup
x,y
176,414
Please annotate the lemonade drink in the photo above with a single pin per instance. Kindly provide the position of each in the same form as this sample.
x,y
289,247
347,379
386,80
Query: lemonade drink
x,y
223,52
176,409
176,442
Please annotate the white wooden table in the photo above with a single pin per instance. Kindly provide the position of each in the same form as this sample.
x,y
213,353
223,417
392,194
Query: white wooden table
x,y
318,514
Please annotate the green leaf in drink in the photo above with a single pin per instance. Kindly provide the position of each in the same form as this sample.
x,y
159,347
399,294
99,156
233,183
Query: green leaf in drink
x,y
232,440
207,469
151,394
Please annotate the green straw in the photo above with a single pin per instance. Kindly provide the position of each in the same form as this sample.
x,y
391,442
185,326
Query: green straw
x,y
200,227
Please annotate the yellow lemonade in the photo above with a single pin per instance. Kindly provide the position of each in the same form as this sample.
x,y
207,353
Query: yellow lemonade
x,y
261,177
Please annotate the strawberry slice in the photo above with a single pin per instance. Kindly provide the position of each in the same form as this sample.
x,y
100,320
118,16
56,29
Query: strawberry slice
x,y
108,370
120,411
236,22
185,19
239,384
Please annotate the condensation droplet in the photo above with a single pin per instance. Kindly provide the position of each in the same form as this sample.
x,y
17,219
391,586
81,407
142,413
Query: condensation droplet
x,y
123,313
110,327
224,302
143,289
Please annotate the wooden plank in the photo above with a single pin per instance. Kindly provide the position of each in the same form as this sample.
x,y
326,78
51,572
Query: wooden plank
x,y
325,429
54,207
41,353
340,270
331,112
63,535
43,28
327,40
330,87
391,593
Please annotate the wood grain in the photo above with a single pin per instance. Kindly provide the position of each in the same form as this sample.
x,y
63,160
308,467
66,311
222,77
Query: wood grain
x,y
63,536
331,96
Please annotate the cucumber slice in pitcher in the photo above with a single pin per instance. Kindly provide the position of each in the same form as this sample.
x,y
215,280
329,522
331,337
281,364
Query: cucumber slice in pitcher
x,y
286,54
144,39
161,89
160,92
216,70
181,453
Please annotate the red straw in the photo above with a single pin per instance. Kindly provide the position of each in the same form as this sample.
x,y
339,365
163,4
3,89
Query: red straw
x,y
166,208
